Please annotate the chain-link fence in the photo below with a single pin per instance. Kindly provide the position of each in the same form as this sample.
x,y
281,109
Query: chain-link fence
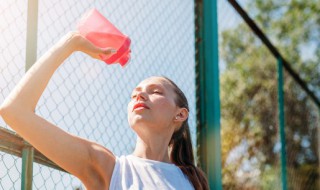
x,y
249,79
86,97
89,99
13,24
302,138
249,121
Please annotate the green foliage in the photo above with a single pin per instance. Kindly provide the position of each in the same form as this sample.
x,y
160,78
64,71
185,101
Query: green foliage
x,y
249,107
294,27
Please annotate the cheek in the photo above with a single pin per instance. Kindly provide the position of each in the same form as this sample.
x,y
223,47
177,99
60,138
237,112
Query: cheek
x,y
166,108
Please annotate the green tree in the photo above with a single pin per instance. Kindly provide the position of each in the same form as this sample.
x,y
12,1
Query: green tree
x,y
249,98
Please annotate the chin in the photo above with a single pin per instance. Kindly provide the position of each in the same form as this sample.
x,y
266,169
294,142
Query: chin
x,y
138,122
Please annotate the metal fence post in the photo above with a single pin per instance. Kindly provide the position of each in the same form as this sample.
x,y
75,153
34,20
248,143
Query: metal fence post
x,y
282,125
208,98
31,57
32,25
27,168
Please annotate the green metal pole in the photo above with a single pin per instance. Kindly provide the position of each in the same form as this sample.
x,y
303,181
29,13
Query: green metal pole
x,y
282,125
32,25
200,90
208,103
31,57
211,50
27,168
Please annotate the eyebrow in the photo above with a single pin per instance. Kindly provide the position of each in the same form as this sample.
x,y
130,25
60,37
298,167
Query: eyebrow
x,y
149,86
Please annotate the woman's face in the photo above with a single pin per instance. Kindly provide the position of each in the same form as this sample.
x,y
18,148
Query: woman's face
x,y
152,106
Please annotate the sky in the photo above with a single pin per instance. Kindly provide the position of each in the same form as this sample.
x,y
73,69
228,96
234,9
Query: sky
x,y
87,97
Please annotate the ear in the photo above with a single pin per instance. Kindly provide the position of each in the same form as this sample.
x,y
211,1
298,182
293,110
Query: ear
x,y
181,115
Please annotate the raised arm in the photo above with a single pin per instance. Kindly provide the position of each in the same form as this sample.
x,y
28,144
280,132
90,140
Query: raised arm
x,y
90,162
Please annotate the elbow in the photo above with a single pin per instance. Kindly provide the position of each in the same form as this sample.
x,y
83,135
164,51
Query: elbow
x,y
3,109
11,115
4,113
8,116
7,111
12,112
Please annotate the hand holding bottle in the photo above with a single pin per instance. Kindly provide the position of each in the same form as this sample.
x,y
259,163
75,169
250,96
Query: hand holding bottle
x,y
80,43
102,33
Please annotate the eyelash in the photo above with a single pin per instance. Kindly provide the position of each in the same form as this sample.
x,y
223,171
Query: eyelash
x,y
156,92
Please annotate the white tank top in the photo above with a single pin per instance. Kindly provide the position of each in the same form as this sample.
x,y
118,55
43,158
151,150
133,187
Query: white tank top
x,y
132,172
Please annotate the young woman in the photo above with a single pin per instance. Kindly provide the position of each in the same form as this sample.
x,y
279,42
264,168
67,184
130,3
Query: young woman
x,y
158,113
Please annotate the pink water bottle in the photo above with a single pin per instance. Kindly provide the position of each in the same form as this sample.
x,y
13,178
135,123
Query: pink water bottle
x,y
96,28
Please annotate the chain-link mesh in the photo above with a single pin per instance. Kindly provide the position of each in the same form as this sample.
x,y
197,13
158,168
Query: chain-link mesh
x,y
10,171
302,118
13,22
249,106
249,121
86,97
293,27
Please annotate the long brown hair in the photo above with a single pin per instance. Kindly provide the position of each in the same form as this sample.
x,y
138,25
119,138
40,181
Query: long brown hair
x,y
181,148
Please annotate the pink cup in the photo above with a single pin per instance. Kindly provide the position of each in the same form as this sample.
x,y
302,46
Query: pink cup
x,y
102,33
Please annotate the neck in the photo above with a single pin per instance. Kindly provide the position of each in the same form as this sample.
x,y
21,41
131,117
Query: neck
x,y
155,148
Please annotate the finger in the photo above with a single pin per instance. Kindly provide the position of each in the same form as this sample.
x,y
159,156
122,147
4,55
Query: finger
x,y
108,51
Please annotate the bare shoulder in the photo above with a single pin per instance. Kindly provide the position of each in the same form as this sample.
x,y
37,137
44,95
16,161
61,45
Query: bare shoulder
x,y
98,175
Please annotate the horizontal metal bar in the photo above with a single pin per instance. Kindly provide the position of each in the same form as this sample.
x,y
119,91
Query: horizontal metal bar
x,y
12,143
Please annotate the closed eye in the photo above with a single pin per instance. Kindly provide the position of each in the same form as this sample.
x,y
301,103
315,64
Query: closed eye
x,y
157,92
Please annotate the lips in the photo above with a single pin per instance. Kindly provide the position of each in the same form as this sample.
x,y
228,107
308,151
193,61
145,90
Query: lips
x,y
140,105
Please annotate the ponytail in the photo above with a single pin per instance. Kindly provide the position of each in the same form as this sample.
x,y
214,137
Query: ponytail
x,y
181,153
182,156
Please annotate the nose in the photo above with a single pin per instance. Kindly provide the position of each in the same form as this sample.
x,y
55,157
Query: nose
x,y
141,96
